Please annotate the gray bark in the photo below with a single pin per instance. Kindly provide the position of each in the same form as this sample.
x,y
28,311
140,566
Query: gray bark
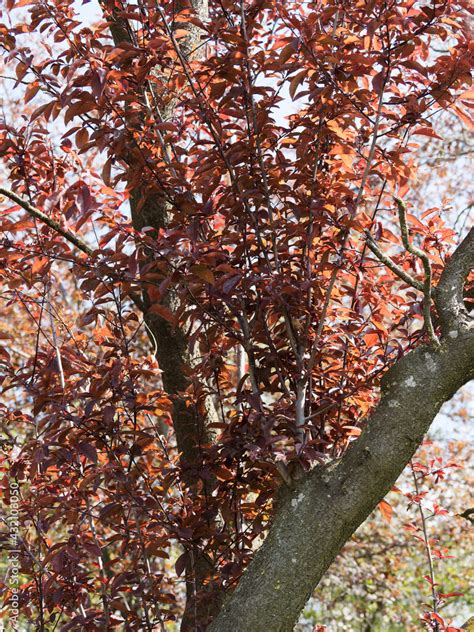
x,y
319,513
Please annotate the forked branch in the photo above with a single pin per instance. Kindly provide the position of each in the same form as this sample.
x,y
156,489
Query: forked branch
x,y
391,265
414,250
426,286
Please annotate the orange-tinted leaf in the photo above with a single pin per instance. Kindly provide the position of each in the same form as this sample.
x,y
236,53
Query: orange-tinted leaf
x,y
32,91
371,339
40,265
386,510
223,473
426,131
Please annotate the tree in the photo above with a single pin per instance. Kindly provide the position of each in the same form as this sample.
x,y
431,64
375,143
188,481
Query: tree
x,y
158,190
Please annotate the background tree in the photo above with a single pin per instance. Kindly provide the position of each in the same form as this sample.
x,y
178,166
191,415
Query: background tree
x,y
203,296
386,562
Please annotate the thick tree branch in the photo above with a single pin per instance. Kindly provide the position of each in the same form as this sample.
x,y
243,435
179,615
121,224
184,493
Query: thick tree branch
x,y
449,291
152,208
316,518
319,514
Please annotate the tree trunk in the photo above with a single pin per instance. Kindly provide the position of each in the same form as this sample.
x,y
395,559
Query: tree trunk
x,y
318,514
190,422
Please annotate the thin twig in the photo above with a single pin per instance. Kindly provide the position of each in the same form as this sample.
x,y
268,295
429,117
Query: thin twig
x,y
391,265
46,220
54,225
426,542
56,346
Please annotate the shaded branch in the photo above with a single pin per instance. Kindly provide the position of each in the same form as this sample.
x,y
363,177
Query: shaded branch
x,y
53,224
468,514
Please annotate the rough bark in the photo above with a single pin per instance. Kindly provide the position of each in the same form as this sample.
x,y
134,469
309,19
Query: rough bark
x,y
318,514
173,352
449,294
